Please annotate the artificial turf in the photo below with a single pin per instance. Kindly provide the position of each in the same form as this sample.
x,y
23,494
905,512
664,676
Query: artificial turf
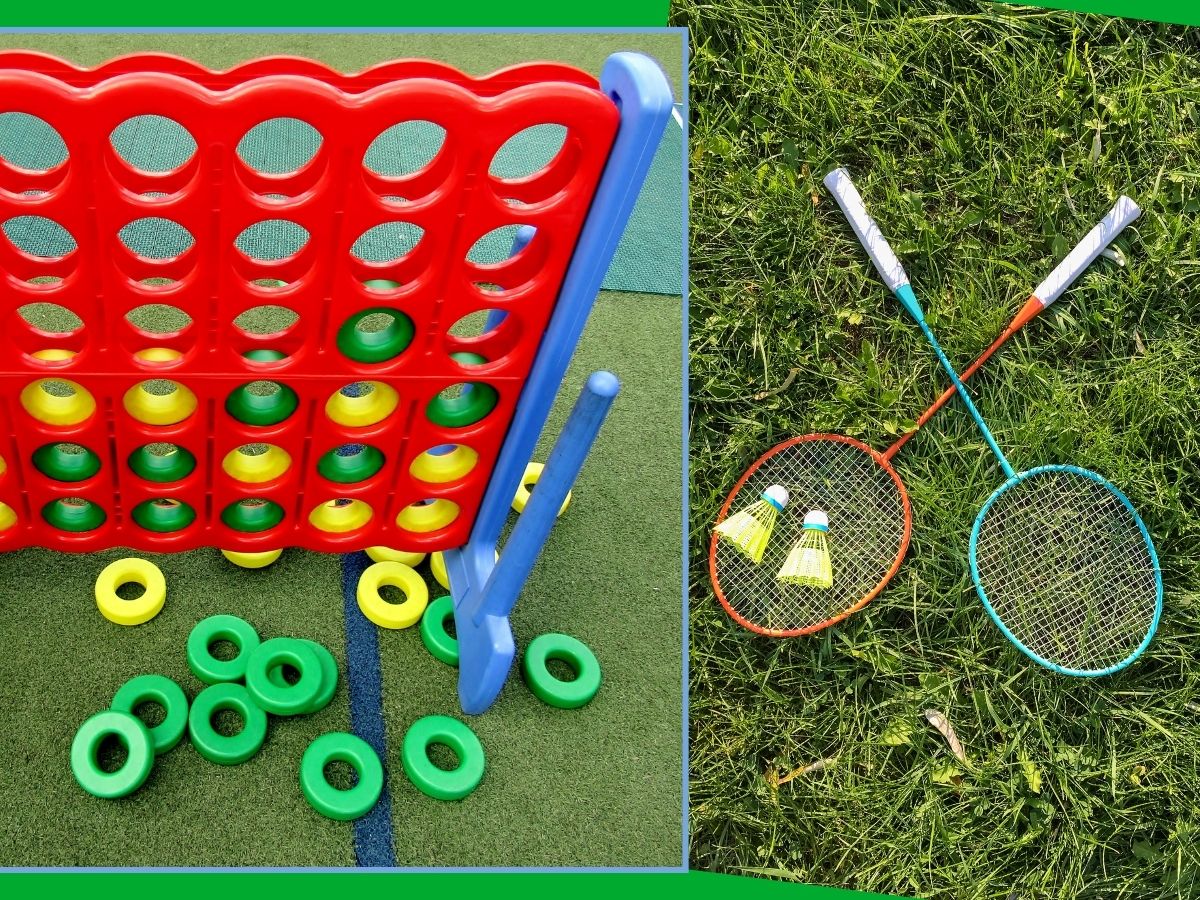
x,y
986,140
596,786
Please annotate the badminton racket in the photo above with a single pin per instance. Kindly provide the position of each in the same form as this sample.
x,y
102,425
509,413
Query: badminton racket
x,y
1061,560
870,519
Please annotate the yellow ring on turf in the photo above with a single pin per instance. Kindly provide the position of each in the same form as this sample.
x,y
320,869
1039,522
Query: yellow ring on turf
x,y
256,468
53,409
425,517
387,554
392,615
53,354
437,567
438,468
340,517
159,409
8,518
158,355
126,571
366,409
252,560
533,473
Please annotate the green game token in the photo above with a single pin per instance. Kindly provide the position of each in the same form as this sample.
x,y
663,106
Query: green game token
x,y
163,515
337,746
66,462
264,355
247,516
226,750
85,760
251,408
329,676
284,699
428,778
569,650
475,401
437,640
167,694
209,631
77,516
375,346
171,464
347,468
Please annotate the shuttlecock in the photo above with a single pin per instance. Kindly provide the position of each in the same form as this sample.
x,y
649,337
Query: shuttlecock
x,y
808,562
750,529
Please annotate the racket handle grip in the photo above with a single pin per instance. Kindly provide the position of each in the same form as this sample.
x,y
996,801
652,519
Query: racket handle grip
x,y
888,265
1123,213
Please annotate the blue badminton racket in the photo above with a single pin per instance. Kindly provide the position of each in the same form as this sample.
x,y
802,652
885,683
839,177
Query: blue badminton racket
x,y
1061,560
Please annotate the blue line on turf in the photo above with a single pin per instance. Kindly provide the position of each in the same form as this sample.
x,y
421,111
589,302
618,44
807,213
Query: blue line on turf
x,y
373,844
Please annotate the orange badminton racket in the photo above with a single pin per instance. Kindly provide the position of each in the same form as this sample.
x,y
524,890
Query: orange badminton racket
x,y
870,520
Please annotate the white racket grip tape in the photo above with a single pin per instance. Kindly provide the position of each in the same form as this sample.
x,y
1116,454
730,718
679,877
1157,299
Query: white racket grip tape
x,y
839,184
1123,213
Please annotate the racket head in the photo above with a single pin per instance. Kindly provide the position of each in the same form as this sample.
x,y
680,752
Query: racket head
x,y
870,524
1057,550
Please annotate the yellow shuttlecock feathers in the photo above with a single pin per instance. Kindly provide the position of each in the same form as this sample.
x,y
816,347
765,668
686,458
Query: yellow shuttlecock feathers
x,y
750,529
808,562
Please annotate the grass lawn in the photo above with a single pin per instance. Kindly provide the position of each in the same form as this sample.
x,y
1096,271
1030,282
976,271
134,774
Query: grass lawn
x,y
986,140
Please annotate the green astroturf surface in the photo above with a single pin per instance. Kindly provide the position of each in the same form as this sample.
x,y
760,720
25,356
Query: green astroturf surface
x,y
597,786
986,140
648,259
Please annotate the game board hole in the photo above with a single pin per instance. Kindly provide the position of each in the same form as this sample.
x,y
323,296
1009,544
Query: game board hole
x,y
471,325
529,151
39,237
387,242
130,590
493,247
561,670
442,756
152,714
50,318
153,143
341,775
158,319
279,146
223,650
31,143
487,287
111,754
156,238
268,319
272,240
405,148
228,722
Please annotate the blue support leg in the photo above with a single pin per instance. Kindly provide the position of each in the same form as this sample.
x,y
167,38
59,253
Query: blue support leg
x,y
485,641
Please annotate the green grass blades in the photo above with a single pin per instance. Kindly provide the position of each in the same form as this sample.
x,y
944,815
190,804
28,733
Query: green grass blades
x,y
988,138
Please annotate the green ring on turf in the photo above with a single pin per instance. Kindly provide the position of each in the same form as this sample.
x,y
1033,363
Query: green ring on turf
x,y
261,517
468,407
329,676
167,694
70,517
173,466
139,759
428,778
262,354
573,652
226,750
331,802
286,699
155,516
208,631
55,462
348,469
261,409
434,635
375,346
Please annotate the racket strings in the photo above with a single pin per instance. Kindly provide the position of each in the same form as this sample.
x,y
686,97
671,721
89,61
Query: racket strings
x,y
868,527
1065,566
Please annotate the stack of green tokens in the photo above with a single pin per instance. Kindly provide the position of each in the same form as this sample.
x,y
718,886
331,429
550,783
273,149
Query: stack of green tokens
x,y
252,684
142,744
